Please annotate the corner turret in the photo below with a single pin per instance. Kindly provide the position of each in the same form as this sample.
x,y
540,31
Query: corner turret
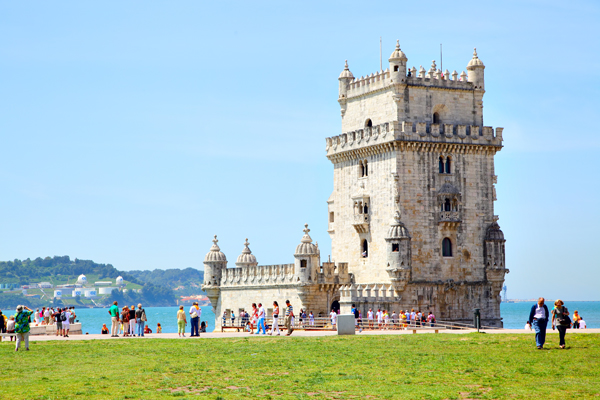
x,y
398,64
307,259
345,78
475,71
246,258
398,254
214,264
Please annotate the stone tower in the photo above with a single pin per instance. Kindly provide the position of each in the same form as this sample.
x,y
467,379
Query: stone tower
x,y
414,150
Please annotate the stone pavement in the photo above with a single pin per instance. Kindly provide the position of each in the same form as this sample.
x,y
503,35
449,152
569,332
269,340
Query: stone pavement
x,y
297,333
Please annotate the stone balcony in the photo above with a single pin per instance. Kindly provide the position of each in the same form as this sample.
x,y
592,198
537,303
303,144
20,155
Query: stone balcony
x,y
361,223
449,218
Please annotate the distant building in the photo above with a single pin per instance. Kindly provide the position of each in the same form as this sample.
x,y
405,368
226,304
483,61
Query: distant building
x,y
82,280
103,283
45,285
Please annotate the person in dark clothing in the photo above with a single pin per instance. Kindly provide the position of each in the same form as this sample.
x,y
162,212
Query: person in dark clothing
x,y
132,321
538,318
560,320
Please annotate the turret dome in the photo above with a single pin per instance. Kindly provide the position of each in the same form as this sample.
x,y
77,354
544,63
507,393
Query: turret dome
x,y
475,61
215,253
346,72
494,232
398,54
246,257
82,279
306,246
397,229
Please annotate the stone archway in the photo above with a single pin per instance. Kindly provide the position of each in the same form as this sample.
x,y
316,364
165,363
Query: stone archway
x,y
335,305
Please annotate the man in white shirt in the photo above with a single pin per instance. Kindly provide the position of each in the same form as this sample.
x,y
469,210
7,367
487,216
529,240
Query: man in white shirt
x,y
379,316
370,318
333,316
582,324
195,313
47,316
538,318
261,319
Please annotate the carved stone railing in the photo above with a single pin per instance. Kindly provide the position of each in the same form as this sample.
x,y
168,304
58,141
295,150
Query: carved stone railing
x,y
361,223
449,216
258,275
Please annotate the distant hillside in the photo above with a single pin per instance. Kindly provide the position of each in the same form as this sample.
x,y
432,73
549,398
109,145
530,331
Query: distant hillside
x,y
56,270
186,281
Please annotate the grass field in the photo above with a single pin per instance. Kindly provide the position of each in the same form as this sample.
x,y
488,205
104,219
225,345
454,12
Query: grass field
x,y
442,366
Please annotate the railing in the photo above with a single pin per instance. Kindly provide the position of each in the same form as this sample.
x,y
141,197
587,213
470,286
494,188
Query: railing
x,y
361,218
451,216
325,323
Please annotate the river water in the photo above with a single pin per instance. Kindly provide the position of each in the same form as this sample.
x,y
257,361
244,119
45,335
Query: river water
x,y
513,314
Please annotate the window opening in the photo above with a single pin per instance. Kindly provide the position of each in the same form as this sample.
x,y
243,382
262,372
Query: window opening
x,y
362,169
302,263
395,68
441,165
447,248
366,168
448,165
365,249
395,247
447,205
366,209
369,123
331,216
436,118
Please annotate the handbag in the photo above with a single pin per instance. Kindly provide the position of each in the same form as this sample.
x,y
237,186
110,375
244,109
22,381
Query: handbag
x,y
564,320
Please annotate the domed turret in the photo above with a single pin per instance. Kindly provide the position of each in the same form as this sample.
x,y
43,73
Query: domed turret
x,y
398,253
475,70
215,253
246,258
82,280
345,78
494,246
398,64
308,258
306,247
119,280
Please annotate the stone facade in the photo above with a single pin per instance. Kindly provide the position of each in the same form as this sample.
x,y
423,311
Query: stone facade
x,y
411,216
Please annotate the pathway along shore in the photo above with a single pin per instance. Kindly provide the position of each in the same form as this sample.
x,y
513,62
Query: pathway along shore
x,y
297,333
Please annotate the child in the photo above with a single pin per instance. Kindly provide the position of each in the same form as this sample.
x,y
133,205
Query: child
x,y
158,328
527,326
10,326
582,324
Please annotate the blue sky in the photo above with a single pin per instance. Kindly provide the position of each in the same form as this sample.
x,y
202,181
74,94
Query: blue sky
x,y
131,132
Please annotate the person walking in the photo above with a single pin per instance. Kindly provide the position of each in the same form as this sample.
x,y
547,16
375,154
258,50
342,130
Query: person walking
x,y
561,321
195,313
370,318
333,317
289,314
181,322
253,318
311,319
113,311
275,326
47,316
22,326
538,318
140,319
261,319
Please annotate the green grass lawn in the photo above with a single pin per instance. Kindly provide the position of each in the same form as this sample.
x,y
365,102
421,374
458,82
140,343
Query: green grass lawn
x,y
442,366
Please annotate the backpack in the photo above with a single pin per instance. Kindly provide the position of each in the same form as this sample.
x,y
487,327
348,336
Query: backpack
x,y
356,313
63,316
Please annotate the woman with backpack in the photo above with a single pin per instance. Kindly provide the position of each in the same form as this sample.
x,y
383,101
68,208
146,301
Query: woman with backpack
x,y
561,320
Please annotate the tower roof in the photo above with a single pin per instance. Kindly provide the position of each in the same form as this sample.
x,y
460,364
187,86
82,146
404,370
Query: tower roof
x,y
246,257
475,61
215,253
494,232
448,188
397,229
306,246
346,72
398,54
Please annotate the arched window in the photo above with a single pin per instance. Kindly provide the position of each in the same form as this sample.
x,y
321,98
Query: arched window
x,y
302,263
366,208
436,118
454,205
441,165
366,168
361,169
447,205
368,123
448,165
446,247
365,248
